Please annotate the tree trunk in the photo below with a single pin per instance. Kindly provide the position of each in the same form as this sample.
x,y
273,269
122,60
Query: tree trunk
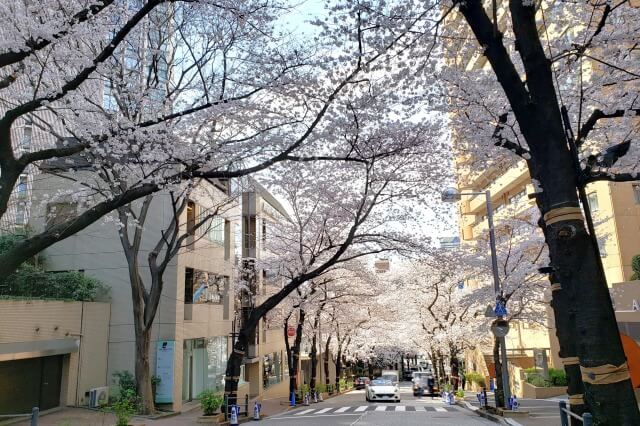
x,y
338,368
142,372
566,333
325,361
535,105
455,376
499,392
314,362
234,364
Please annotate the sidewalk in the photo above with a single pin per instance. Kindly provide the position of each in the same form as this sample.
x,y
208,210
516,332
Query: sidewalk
x,y
70,416
542,412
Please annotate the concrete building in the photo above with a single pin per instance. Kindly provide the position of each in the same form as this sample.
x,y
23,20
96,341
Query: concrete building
x,y
52,353
265,371
191,332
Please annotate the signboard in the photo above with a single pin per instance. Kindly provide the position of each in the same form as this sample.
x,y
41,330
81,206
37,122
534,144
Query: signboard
x,y
164,370
635,306
291,331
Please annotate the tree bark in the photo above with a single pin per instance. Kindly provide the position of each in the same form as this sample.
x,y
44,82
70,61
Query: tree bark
x,y
325,361
566,333
499,391
572,255
142,372
338,367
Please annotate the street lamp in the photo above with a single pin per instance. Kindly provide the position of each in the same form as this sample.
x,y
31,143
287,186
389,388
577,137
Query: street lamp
x,y
499,327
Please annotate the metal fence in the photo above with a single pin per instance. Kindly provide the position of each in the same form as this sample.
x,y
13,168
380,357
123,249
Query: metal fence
x,y
565,413
33,416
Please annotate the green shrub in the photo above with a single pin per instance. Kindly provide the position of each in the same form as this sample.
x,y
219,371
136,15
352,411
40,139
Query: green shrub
x,y
557,377
635,266
321,388
460,393
210,402
477,378
125,407
126,382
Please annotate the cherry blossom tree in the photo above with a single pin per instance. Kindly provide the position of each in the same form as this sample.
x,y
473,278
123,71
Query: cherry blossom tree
x,y
565,102
178,235
162,91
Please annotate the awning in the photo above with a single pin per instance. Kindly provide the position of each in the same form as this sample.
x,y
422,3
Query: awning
x,y
37,348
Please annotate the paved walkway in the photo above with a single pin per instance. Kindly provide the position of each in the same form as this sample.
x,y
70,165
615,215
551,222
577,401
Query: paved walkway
x,y
84,417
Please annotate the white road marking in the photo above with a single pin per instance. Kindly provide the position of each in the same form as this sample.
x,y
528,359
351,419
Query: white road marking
x,y
341,410
381,408
324,410
401,408
440,409
304,412
362,408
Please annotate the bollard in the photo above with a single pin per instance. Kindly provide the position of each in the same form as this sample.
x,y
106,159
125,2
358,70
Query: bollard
x,y
35,413
320,397
564,418
257,407
514,403
315,396
306,399
292,399
233,419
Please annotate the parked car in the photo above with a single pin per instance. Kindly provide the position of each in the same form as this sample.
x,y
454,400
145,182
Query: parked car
x,y
361,382
425,385
382,390
408,372
418,374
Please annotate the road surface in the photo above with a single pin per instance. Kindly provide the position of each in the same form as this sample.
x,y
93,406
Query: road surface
x,y
351,409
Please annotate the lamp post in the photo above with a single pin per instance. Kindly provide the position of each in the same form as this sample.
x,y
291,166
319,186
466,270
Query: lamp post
x,y
500,327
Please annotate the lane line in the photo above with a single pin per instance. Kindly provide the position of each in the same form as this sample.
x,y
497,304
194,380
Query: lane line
x,y
361,408
324,410
440,409
304,412
381,408
401,408
341,410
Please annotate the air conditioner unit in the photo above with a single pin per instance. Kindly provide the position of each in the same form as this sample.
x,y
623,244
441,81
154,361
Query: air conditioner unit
x,y
98,397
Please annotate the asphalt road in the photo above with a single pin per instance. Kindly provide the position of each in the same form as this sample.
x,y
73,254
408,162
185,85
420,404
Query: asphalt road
x,y
351,409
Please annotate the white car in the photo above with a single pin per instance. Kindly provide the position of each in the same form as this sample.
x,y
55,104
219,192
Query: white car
x,y
382,390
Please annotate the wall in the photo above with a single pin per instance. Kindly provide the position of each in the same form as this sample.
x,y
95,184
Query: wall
x,y
87,322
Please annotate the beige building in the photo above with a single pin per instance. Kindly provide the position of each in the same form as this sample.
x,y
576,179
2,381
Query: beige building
x,y
191,332
265,371
52,353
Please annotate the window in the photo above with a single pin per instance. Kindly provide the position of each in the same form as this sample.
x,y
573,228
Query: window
x,y
592,198
191,223
58,213
264,234
109,102
272,369
21,188
25,141
21,214
188,285
216,230
636,192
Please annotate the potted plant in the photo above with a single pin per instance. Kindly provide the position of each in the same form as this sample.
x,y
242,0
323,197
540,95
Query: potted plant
x,y
210,403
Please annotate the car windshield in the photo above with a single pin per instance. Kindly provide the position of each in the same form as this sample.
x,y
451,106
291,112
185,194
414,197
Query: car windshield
x,y
363,378
420,375
381,382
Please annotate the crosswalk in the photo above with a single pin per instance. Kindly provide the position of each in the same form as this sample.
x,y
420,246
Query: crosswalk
x,y
378,408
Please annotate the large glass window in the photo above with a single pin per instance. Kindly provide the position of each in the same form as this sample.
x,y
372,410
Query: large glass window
x,y
204,287
272,366
21,188
204,365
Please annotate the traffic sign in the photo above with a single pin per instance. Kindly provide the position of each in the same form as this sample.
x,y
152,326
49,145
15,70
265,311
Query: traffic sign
x,y
500,310
291,331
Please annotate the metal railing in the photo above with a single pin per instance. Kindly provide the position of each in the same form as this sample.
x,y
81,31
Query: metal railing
x,y
33,416
565,413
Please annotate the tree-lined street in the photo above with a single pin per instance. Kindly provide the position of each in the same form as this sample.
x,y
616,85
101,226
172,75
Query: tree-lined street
x,y
208,202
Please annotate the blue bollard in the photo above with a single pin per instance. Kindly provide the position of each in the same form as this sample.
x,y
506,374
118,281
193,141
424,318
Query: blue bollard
x,y
257,407
233,419
292,399
587,419
564,418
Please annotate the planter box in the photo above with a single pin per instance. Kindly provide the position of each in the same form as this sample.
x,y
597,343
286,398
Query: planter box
x,y
212,420
535,392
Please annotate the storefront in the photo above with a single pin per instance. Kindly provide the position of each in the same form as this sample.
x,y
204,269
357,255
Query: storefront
x,y
272,369
204,363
